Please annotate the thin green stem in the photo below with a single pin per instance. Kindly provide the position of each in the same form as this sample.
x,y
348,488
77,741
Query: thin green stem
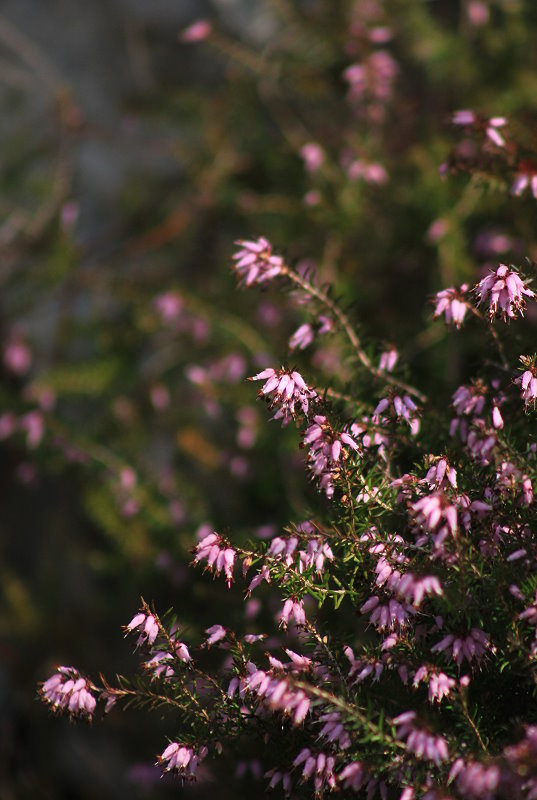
x,y
350,333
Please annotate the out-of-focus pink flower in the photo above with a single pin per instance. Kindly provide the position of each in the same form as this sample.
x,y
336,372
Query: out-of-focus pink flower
x,y
452,304
475,781
525,179
67,691
371,172
419,741
388,359
17,356
255,263
168,306
469,119
302,337
313,156
504,291
216,634
478,13
197,32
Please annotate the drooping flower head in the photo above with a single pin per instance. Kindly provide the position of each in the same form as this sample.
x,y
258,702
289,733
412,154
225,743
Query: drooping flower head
x,y
67,691
505,292
255,262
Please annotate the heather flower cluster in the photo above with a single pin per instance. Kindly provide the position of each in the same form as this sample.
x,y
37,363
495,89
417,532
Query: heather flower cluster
x,y
380,632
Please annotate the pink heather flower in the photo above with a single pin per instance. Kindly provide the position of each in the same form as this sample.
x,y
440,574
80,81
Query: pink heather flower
x,y
402,407
504,291
147,626
436,511
158,666
478,13
17,356
470,400
286,390
524,180
327,452
196,32
318,766
181,760
419,741
490,126
334,731
372,173
67,691
313,155
216,634
168,305
451,303
295,609
302,337
388,359
219,557
353,776
528,384
471,647
475,781
255,262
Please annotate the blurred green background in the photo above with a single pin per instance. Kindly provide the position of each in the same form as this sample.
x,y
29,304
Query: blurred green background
x,y
130,162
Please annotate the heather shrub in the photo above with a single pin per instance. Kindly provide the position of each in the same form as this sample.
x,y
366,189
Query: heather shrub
x,y
358,616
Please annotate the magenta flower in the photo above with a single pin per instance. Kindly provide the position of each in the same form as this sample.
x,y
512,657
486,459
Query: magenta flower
x,y
197,32
286,390
67,691
216,634
353,776
474,780
302,337
528,384
524,180
148,628
327,452
451,303
419,741
469,119
313,156
182,760
472,647
219,557
295,609
255,262
388,359
504,291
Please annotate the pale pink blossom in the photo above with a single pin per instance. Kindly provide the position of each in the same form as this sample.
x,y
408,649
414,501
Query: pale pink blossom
x,y
216,634
419,741
525,180
197,32
475,781
67,691
313,156
218,555
255,262
388,359
146,625
327,452
505,292
528,384
452,304
182,760
287,391
302,337
471,647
